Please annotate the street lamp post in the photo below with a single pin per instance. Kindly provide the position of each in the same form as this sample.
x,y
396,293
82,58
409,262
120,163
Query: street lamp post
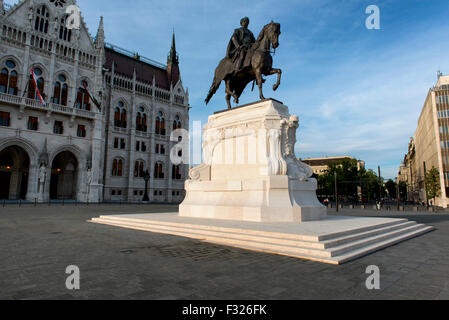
x,y
397,194
336,191
146,177
380,184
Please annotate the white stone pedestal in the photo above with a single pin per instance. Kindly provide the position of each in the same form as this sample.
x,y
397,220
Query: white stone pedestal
x,y
250,171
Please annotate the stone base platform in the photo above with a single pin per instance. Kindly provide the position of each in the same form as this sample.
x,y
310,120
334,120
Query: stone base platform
x,y
273,199
335,240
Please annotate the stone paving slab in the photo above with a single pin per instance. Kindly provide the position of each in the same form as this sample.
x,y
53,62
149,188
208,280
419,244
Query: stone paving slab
x,y
38,243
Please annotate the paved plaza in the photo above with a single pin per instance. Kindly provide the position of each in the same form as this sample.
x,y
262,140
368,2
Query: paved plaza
x,y
38,243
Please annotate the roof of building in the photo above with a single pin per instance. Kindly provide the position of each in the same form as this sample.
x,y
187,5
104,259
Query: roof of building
x,y
323,161
146,69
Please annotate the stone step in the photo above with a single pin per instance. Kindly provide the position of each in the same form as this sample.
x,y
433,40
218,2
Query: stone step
x,y
227,233
339,234
328,236
366,234
224,239
307,250
352,246
349,256
239,234
381,245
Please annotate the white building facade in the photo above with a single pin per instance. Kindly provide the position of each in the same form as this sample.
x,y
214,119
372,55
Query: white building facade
x,y
68,146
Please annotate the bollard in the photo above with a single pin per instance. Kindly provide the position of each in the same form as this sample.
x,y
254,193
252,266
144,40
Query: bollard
x,y
20,203
35,202
4,201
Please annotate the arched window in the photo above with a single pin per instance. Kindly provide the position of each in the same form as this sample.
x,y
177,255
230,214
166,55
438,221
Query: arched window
x,y
114,168
82,97
8,78
176,172
123,118
60,92
41,21
160,124
117,117
32,92
139,169
64,33
120,115
120,168
117,168
141,120
177,123
158,170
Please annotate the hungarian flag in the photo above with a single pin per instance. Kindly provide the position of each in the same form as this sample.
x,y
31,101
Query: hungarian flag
x,y
91,96
37,87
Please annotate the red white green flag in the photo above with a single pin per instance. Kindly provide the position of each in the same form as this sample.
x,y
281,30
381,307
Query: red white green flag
x,y
91,96
37,87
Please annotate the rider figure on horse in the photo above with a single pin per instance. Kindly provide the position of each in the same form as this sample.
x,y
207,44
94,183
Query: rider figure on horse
x,y
239,45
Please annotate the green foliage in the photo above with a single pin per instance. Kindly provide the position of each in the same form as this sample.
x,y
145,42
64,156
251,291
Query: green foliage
x,y
390,185
349,179
433,188
403,190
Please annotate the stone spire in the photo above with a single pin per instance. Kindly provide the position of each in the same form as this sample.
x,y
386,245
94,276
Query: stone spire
x,y
99,40
173,72
173,56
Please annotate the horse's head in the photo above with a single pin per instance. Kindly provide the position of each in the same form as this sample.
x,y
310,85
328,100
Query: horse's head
x,y
269,36
273,32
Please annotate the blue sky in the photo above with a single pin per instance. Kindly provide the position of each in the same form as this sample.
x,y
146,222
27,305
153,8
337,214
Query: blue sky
x,y
357,92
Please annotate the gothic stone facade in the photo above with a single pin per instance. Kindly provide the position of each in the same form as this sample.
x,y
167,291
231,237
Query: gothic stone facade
x,y
68,147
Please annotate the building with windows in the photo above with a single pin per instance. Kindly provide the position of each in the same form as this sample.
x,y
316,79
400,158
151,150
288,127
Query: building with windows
x,y
430,146
320,165
82,119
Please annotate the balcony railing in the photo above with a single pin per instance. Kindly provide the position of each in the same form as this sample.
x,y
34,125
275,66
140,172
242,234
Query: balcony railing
x,y
52,107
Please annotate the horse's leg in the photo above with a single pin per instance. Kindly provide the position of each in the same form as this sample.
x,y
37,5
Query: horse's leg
x,y
279,73
229,92
259,80
228,100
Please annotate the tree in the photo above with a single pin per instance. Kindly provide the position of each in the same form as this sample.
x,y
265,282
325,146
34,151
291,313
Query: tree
x,y
433,188
391,188
371,183
347,176
403,190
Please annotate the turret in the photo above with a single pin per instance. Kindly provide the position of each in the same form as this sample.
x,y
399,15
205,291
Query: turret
x,y
173,72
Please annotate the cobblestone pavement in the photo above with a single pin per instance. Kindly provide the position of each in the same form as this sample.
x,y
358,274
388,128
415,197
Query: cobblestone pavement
x,y
38,243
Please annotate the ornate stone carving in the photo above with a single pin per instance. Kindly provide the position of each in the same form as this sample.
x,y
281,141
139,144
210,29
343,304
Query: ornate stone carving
x,y
295,168
278,166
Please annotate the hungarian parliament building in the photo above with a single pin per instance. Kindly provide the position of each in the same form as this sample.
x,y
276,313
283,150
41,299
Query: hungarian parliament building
x,y
81,119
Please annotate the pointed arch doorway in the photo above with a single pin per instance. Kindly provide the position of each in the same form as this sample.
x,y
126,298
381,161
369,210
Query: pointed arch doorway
x,y
14,173
64,177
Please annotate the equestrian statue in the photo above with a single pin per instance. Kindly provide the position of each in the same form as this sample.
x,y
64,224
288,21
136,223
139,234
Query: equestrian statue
x,y
247,59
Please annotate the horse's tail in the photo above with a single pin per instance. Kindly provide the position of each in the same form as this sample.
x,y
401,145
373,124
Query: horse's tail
x,y
213,89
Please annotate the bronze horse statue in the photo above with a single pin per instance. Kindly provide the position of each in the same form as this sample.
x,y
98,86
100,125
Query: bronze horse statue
x,y
258,62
